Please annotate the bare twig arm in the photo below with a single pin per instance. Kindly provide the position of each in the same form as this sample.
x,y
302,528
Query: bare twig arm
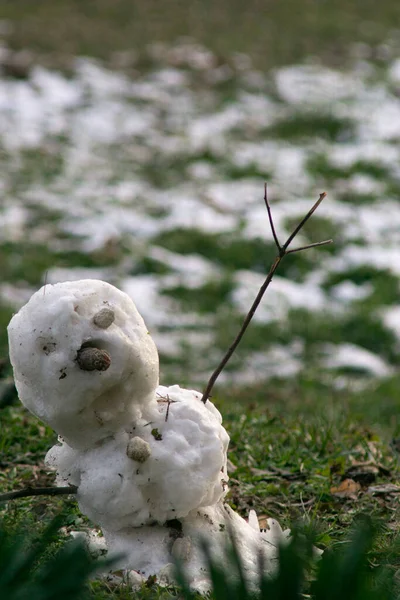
x,y
46,491
282,252
243,328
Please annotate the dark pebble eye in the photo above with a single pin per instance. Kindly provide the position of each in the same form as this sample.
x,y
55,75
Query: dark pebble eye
x,y
93,359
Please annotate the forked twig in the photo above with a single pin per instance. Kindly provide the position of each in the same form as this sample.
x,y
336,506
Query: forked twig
x,y
282,252
45,491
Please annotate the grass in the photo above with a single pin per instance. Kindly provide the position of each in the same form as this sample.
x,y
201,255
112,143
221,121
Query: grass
x,y
294,443
291,444
327,127
273,33
231,251
202,299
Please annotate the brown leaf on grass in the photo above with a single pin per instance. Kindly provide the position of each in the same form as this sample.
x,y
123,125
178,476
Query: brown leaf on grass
x,y
347,489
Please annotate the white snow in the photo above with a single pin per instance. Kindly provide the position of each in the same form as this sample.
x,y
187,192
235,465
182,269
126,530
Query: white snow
x,y
347,291
351,356
314,85
391,318
282,295
45,337
116,136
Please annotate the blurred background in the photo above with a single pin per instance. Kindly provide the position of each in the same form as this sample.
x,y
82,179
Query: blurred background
x,y
135,139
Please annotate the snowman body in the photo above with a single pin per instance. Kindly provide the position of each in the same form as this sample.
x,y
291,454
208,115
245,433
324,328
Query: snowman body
x,y
149,461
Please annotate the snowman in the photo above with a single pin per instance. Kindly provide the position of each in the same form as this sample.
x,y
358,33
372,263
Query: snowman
x,y
149,461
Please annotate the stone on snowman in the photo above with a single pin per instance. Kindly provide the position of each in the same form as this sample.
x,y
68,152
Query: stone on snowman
x,y
149,461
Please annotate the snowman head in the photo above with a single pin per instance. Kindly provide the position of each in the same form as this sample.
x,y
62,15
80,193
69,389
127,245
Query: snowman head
x,y
84,361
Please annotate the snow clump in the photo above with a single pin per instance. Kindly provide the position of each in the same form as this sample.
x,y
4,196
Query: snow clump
x,y
149,461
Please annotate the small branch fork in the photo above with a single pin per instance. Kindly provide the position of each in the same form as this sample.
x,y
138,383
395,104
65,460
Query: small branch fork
x,y
45,491
282,252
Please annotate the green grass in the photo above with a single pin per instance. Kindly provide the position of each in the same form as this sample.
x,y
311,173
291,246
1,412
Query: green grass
x,y
6,313
28,262
326,127
385,285
205,298
294,442
232,252
320,166
274,33
291,444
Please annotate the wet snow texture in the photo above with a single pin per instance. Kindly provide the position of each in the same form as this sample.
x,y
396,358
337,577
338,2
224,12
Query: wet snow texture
x,y
46,338
155,183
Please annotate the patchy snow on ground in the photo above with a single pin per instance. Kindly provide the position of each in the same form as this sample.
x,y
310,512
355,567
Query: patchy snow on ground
x,y
162,174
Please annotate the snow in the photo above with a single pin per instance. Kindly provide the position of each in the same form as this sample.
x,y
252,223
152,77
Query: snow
x,y
45,337
347,291
391,318
314,84
144,155
282,295
350,356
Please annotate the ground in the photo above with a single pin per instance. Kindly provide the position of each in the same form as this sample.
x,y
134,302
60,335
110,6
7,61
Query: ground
x,y
292,447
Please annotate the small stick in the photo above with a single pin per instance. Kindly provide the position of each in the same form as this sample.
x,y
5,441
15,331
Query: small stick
x,y
168,400
282,252
304,220
315,245
271,221
45,491
167,413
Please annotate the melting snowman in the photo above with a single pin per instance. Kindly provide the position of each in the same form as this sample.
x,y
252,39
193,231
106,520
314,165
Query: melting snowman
x,y
149,461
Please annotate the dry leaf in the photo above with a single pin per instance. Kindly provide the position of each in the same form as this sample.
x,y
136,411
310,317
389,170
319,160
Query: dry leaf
x,y
347,489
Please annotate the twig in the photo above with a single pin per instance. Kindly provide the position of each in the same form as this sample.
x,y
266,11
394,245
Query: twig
x,y
304,220
282,252
45,491
315,245
168,400
271,222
